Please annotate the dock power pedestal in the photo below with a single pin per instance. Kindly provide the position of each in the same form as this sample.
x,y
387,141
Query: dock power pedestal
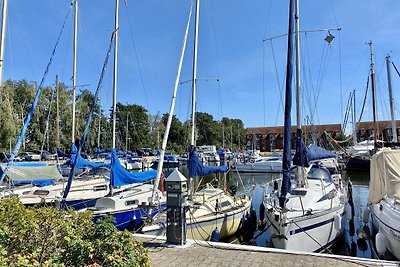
x,y
176,187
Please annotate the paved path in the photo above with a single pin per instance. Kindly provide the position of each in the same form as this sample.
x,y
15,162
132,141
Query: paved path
x,y
208,254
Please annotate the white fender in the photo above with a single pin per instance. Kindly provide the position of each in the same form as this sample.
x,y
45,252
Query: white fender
x,y
380,241
337,222
366,213
347,209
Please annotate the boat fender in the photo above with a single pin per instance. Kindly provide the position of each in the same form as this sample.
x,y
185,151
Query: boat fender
x,y
366,213
262,211
348,211
351,228
362,244
215,235
253,215
380,241
337,221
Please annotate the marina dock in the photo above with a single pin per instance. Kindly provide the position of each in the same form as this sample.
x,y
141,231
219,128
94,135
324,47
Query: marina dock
x,y
208,254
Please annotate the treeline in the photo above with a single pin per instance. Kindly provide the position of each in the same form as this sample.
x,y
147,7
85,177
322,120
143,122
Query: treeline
x,y
51,124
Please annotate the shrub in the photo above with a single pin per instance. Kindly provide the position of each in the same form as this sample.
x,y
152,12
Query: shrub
x,y
45,236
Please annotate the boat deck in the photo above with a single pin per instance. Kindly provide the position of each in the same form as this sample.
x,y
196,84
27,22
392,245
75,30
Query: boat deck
x,y
208,254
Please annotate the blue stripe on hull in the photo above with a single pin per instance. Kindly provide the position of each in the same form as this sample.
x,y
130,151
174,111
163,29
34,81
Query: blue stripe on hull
x,y
307,228
130,219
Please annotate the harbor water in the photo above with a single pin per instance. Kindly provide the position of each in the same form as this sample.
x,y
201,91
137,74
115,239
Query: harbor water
x,y
352,243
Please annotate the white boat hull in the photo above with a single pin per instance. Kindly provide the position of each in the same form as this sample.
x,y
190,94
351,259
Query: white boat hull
x,y
310,233
387,221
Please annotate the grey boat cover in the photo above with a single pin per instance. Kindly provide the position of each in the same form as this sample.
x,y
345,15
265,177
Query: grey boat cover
x,y
384,175
40,175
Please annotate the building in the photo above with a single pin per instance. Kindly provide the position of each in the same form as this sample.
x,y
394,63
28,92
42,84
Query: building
x,y
271,138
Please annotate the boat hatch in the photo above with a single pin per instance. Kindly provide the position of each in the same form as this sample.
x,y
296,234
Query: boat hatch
x,y
225,204
41,192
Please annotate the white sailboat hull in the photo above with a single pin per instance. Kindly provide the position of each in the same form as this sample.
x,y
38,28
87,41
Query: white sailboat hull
x,y
387,221
312,233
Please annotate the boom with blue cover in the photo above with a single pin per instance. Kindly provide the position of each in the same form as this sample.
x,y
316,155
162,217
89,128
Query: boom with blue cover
x,y
83,163
196,168
120,176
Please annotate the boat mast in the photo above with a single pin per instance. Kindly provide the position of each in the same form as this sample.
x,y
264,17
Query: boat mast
x,y
3,36
373,94
391,100
74,69
114,109
354,118
57,113
194,74
298,96
171,112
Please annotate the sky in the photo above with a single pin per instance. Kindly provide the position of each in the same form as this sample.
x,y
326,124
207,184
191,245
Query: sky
x,y
240,73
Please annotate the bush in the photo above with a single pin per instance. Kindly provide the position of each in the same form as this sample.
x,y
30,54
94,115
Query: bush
x,y
44,236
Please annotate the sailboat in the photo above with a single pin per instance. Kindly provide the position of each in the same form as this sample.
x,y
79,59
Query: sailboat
x,y
211,208
384,188
306,207
137,200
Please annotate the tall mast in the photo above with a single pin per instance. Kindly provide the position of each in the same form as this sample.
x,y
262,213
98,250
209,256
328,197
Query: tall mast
x,y
74,69
354,118
126,135
391,100
297,42
114,109
171,111
3,34
194,77
57,114
373,94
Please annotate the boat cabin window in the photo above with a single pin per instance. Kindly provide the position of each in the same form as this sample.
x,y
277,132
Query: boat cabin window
x,y
320,173
41,192
100,187
131,202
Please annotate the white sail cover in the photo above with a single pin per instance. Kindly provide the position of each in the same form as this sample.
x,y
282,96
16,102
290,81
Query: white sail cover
x,y
385,175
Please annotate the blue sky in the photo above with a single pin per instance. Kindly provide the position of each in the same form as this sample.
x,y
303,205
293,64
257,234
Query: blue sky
x,y
230,48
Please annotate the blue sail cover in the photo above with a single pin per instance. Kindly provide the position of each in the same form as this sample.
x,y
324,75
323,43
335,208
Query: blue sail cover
x,y
287,135
197,169
120,176
316,152
84,163
302,155
61,153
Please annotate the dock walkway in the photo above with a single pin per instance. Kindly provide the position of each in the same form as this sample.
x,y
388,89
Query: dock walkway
x,y
209,254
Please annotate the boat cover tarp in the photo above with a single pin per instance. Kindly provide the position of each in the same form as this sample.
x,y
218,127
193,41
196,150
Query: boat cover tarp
x,y
196,168
83,163
120,176
38,175
384,175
